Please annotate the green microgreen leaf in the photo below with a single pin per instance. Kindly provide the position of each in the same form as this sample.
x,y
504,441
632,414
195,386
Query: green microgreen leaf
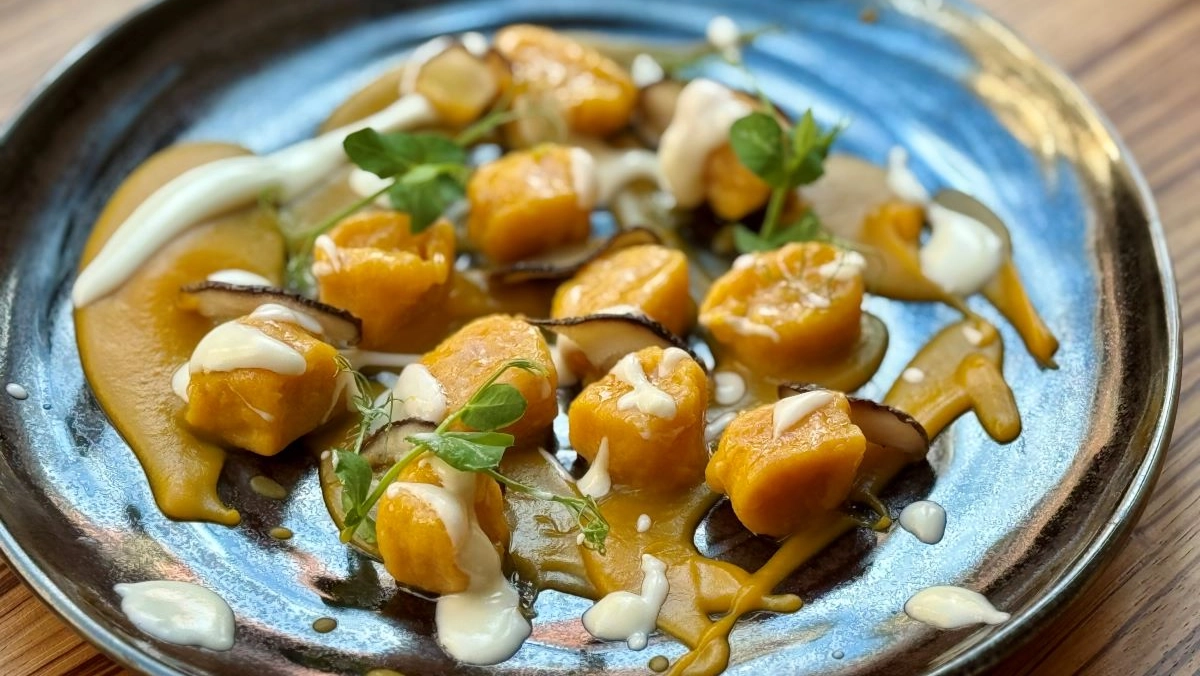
x,y
425,202
461,454
498,405
758,142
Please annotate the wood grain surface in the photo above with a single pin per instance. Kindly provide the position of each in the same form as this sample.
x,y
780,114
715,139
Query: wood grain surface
x,y
1140,61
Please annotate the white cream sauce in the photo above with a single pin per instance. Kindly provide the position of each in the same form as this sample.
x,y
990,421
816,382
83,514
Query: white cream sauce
x,y
729,387
791,411
846,265
643,523
584,180
279,313
962,255
626,616
947,607
973,335
365,184
672,357
748,327
913,375
645,70
616,168
239,278
16,391
902,180
926,520
596,482
703,115
419,395
644,397
234,345
482,625
223,185
180,381
723,34
178,612
558,354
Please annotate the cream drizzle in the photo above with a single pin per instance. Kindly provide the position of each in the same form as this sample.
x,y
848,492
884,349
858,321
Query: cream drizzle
x,y
178,612
218,187
482,625
558,354
584,179
925,519
913,375
672,357
947,607
418,394
596,482
279,313
180,381
645,71
846,265
645,397
703,115
962,255
729,387
234,345
901,179
365,184
626,616
748,327
239,278
790,411
723,33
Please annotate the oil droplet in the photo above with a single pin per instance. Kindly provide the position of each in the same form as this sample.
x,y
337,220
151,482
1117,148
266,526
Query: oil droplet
x,y
658,664
837,654
267,487
280,533
16,391
324,625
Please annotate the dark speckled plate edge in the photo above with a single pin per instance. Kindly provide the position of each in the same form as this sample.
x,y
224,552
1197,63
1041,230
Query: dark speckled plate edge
x,y
974,659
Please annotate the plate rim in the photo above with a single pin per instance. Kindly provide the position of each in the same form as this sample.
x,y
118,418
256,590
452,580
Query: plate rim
x,y
1003,640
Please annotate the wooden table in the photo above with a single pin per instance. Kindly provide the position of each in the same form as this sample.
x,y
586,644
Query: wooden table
x,y
1140,60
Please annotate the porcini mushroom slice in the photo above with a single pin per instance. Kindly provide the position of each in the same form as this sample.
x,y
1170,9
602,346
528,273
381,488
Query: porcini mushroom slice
x,y
655,108
222,301
880,424
381,450
606,337
565,262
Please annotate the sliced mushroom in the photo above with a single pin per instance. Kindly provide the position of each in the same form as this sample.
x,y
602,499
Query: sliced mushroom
x,y
459,79
881,424
655,109
222,301
381,451
604,338
565,262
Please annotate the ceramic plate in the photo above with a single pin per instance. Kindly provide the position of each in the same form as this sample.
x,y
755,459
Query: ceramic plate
x,y
979,111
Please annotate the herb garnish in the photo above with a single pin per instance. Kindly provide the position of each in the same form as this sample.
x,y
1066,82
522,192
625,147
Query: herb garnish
x,y
784,158
492,407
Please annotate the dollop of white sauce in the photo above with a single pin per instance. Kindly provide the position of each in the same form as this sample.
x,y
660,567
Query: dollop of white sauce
x,y
644,396
723,33
482,625
645,70
703,115
180,381
913,375
716,427
223,185
239,277
234,345
672,357
419,395
596,482
902,180
584,179
617,168
644,523
279,313
626,616
748,327
947,607
474,42
973,335
962,254
925,519
729,387
16,391
178,612
790,411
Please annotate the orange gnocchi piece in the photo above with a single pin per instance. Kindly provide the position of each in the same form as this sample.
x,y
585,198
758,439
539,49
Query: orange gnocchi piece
x,y
647,418
651,277
374,266
786,465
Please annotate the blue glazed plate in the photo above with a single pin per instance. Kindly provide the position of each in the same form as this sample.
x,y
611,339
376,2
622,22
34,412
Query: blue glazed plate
x,y
1029,522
